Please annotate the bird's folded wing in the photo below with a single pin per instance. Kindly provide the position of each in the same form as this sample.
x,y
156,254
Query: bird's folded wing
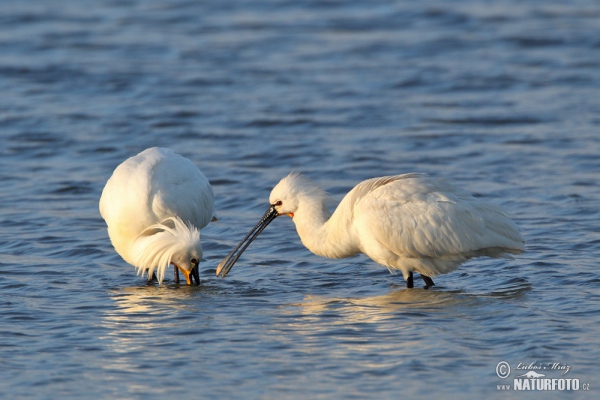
x,y
423,217
178,188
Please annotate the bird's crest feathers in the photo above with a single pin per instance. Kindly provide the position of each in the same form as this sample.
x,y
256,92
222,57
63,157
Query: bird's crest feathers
x,y
299,185
155,247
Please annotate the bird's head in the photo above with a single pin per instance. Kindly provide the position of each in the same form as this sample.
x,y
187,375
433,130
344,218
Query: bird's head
x,y
284,196
293,195
170,242
287,196
187,258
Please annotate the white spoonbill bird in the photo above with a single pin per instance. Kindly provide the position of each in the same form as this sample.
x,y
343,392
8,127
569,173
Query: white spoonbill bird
x,y
408,222
154,204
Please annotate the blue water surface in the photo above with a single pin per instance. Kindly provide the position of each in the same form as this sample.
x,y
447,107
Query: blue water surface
x,y
502,97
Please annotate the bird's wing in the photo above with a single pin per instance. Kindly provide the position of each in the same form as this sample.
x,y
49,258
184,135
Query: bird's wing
x,y
366,188
178,188
416,216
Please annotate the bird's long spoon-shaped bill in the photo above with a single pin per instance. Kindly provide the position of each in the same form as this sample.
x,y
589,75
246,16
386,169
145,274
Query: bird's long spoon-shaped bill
x,y
190,276
227,263
186,274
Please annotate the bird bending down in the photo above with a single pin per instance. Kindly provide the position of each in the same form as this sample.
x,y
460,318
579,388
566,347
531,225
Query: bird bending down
x,y
410,222
154,204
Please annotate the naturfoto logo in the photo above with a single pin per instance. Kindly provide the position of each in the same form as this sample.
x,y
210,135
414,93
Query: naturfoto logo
x,y
529,376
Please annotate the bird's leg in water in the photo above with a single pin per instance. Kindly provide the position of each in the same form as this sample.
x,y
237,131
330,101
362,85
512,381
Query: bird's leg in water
x,y
176,277
428,281
409,281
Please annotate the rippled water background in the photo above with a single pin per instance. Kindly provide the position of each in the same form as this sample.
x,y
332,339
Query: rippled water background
x,y
502,97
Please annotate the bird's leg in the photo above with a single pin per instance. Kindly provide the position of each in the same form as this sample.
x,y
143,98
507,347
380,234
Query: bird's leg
x,y
428,281
176,277
409,281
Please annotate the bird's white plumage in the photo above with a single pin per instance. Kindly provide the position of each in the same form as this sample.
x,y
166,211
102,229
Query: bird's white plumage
x,y
408,222
154,205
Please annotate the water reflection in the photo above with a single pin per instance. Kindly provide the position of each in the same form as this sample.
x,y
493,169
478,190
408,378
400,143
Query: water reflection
x,y
139,300
148,318
405,325
374,308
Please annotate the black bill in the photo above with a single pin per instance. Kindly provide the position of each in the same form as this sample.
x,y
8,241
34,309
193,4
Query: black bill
x,y
227,263
196,273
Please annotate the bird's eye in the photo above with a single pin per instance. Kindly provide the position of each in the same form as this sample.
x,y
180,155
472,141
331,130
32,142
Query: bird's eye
x,y
194,261
278,203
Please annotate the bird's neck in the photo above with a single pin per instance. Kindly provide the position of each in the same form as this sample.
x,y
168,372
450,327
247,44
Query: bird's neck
x,y
324,234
